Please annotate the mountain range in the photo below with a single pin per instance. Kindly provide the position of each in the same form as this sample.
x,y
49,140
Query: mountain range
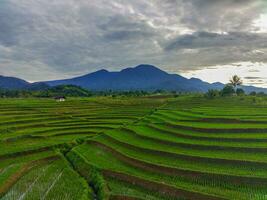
x,y
12,83
141,77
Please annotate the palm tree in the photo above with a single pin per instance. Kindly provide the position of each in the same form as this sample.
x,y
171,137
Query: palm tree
x,y
235,81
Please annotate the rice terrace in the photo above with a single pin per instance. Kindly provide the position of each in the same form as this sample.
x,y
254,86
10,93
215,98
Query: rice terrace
x,y
154,147
133,100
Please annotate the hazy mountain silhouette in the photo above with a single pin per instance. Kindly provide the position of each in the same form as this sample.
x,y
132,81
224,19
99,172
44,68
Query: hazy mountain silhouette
x,y
13,83
142,77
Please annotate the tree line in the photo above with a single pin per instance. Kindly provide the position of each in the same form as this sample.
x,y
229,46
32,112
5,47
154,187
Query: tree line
x,y
232,89
71,91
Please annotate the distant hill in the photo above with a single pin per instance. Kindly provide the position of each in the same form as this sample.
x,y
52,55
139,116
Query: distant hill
x,y
12,83
142,77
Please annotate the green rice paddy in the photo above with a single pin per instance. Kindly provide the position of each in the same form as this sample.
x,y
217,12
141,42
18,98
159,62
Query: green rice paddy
x,y
187,147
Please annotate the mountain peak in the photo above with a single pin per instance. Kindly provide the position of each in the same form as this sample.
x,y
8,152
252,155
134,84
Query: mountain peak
x,y
142,77
144,68
102,71
141,66
148,67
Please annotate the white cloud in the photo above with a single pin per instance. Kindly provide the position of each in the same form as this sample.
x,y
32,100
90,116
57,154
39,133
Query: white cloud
x,y
261,23
251,73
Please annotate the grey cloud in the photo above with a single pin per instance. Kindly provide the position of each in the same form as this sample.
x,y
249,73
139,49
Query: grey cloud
x,y
118,28
214,48
207,39
72,37
225,16
253,78
258,83
126,35
254,70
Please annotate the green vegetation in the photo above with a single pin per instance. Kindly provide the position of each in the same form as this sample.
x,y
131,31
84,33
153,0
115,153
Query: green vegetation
x,y
228,90
34,132
61,90
235,81
73,91
134,147
64,90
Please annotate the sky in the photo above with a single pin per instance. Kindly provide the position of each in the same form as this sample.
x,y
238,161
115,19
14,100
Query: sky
x,y
208,39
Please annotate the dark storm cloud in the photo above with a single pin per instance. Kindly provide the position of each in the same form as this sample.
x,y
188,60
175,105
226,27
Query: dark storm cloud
x,y
226,15
207,39
126,35
118,28
42,39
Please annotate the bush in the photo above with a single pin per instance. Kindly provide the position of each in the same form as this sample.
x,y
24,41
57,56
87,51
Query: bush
x,y
261,94
240,92
253,94
228,90
212,94
80,140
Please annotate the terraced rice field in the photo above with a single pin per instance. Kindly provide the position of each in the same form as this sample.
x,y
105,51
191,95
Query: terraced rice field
x,y
134,148
36,133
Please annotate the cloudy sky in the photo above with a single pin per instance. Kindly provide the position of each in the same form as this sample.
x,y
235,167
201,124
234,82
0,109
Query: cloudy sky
x,y
209,39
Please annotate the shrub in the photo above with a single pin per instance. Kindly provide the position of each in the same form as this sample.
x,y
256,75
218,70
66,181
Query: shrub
x,y
80,140
253,93
228,90
261,94
240,92
212,94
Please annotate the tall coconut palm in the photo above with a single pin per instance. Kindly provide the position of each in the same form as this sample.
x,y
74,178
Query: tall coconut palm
x,y
235,81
